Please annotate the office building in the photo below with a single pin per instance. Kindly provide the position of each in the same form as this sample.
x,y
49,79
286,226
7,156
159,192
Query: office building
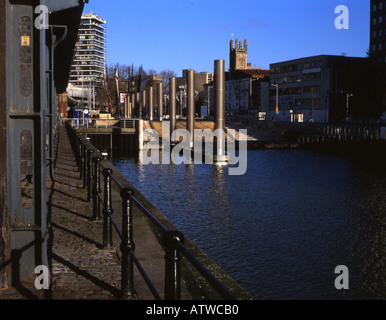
x,y
378,30
88,67
311,89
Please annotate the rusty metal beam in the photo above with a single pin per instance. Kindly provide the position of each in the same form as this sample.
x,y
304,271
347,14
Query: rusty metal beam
x,y
3,154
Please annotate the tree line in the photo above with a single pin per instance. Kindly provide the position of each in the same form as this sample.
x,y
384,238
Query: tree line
x,y
127,79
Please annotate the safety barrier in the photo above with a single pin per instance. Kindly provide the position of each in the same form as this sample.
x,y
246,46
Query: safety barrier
x,y
90,167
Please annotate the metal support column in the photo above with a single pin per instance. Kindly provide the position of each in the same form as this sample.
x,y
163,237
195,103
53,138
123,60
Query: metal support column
x,y
160,102
151,105
138,105
190,120
172,105
219,78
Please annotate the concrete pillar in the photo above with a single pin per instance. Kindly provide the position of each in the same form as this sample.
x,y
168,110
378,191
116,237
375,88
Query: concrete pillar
x,y
143,104
219,98
132,106
140,134
172,104
160,102
127,107
190,120
151,104
138,105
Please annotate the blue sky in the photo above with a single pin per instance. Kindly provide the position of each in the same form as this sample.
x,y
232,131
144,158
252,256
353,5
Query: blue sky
x,y
191,34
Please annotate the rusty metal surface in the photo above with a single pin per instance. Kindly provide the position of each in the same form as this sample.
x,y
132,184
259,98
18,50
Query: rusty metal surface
x,y
3,154
28,87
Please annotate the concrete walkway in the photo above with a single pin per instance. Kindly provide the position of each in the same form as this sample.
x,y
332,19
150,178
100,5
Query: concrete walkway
x,y
80,268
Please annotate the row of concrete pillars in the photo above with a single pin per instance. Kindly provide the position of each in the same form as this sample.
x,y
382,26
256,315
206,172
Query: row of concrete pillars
x,y
137,103
219,98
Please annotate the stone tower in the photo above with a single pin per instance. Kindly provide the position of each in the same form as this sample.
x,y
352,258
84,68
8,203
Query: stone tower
x,y
238,55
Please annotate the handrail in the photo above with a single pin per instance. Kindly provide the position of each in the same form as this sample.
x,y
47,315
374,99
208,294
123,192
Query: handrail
x,y
90,167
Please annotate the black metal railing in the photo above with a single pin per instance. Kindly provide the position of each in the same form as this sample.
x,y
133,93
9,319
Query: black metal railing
x,y
341,133
90,167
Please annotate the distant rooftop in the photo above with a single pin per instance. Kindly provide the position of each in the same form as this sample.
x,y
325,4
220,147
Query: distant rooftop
x,y
93,16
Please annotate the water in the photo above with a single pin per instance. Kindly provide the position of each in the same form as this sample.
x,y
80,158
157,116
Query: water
x,y
282,228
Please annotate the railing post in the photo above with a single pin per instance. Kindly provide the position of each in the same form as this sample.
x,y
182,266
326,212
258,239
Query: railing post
x,y
80,144
96,189
107,209
172,264
127,245
81,148
89,173
84,162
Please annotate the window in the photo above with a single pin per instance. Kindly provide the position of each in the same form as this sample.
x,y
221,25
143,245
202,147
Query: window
x,y
312,76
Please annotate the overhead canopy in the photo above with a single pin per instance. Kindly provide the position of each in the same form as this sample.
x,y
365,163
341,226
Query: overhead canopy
x,y
59,5
65,13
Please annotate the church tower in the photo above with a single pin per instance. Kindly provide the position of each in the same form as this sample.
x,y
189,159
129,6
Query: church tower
x,y
238,55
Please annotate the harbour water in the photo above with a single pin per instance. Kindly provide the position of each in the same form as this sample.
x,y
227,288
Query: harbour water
x,y
282,228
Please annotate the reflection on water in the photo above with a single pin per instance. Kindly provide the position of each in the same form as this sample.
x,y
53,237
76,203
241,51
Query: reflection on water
x,y
282,228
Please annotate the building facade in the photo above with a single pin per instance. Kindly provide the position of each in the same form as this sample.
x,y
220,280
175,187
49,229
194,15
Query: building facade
x,y
378,30
88,67
311,89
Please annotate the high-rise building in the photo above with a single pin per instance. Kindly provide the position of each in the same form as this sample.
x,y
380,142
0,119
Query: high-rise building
x,y
378,30
88,65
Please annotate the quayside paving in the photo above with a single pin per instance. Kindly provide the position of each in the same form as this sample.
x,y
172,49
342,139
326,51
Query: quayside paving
x,y
81,269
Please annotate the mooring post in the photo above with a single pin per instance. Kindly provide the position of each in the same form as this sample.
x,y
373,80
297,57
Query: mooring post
x,y
172,264
219,78
143,104
138,104
96,189
133,110
160,102
151,105
107,209
140,134
172,105
191,106
127,245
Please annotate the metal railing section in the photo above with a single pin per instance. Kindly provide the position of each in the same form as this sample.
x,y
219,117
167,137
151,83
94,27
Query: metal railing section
x,y
90,167
101,123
